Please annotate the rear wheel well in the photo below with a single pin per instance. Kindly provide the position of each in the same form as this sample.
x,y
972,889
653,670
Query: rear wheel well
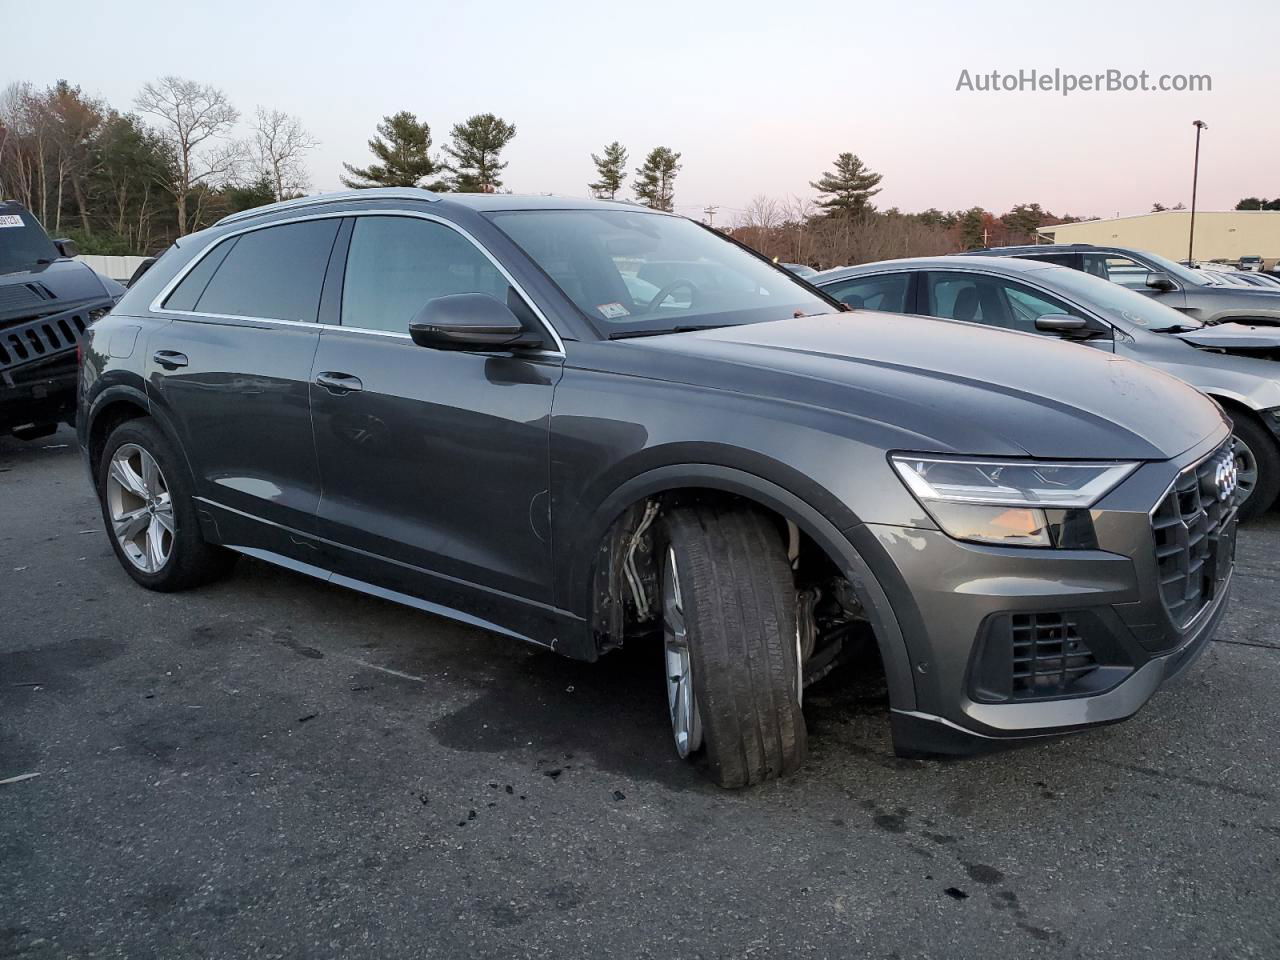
x,y
625,581
106,421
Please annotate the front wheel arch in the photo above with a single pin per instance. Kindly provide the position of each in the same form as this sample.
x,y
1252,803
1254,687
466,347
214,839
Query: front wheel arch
x,y
677,480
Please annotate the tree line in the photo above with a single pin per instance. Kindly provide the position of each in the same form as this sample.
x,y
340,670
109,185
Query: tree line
x,y
842,226
132,181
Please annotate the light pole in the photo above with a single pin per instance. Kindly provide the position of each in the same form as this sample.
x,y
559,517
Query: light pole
x,y
1195,177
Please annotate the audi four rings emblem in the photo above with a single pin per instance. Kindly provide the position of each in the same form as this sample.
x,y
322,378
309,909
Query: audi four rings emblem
x,y
1225,477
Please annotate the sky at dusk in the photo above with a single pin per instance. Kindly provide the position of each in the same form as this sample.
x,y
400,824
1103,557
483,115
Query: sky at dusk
x,y
758,98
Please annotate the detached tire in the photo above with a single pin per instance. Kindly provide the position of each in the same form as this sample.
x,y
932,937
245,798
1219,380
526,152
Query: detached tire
x,y
149,514
726,569
1262,449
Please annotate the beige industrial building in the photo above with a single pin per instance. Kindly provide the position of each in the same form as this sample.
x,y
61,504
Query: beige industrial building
x,y
1220,235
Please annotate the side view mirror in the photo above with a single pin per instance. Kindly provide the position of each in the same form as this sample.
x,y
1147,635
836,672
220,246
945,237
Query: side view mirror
x,y
470,321
67,248
1160,281
1075,328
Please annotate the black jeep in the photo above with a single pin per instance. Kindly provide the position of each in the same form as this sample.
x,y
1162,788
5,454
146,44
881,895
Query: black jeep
x,y
47,300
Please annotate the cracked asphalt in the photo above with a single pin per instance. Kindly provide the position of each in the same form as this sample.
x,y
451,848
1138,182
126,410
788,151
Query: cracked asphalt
x,y
271,767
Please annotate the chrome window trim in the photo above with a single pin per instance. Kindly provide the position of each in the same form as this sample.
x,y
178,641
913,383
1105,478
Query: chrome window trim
x,y
156,305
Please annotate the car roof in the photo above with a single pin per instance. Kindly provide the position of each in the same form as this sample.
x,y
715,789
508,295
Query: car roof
x,y
1037,248
955,262
472,201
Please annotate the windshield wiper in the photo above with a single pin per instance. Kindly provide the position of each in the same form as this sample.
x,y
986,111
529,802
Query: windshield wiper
x,y
687,328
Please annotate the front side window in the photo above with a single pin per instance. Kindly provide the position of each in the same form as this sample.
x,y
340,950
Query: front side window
x,y
1122,270
396,264
630,271
991,301
275,273
887,293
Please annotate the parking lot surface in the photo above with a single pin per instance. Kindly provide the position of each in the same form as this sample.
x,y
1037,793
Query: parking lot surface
x,y
272,767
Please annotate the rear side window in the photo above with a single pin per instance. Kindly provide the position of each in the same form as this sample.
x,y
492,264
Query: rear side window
x,y
275,273
396,264
186,293
885,293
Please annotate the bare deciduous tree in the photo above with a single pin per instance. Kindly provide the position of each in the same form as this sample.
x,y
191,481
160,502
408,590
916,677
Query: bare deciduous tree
x,y
280,143
194,121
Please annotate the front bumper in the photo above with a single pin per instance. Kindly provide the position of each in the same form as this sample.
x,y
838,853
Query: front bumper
x,y
38,365
956,600
40,393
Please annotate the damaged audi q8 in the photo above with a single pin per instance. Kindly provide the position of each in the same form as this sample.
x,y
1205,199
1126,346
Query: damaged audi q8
x,y
584,424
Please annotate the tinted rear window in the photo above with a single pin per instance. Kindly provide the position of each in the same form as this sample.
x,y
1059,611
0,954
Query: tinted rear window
x,y
276,273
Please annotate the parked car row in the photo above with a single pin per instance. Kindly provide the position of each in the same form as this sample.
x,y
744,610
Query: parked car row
x,y
587,425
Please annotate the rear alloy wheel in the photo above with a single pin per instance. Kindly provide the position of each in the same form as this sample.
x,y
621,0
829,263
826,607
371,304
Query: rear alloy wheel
x,y
149,513
1257,457
141,508
729,634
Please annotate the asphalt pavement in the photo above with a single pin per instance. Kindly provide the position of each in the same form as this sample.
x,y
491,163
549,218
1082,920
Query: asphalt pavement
x,y
273,767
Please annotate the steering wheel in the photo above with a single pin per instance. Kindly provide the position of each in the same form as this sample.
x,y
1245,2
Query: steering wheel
x,y
671,288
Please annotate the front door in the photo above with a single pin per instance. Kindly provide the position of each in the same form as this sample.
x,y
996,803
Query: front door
x,y
434,464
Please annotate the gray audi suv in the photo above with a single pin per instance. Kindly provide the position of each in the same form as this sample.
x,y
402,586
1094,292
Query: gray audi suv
x,y
585,425
1234,363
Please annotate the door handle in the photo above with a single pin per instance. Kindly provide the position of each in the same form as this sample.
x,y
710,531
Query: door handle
x,y
170,359
339,384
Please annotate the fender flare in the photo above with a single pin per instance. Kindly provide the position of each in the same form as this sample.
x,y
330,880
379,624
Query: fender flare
x,y
135,396
825,533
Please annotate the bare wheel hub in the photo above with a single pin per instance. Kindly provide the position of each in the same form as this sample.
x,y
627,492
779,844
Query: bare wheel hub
x,y
686,724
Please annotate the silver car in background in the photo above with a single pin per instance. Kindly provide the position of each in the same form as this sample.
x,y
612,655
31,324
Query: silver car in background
x,y
1232,362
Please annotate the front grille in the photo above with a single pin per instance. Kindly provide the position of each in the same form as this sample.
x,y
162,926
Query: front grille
x,y
40,338
1191,526
1049,655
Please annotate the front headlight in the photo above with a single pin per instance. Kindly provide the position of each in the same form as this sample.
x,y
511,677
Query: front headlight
x,y
1003,501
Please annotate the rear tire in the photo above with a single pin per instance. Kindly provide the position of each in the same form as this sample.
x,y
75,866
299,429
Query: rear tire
x,y
1262,447
163,549
739,615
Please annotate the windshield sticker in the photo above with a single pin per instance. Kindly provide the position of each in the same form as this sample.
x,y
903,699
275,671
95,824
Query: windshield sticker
x,y
11,220
612,311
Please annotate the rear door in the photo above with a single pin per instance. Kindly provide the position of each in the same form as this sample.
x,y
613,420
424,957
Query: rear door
x,y
434,464
232,371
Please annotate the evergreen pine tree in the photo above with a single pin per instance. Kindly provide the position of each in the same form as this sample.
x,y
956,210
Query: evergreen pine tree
x,y
611,170
403,146
474,152
655,181
847,191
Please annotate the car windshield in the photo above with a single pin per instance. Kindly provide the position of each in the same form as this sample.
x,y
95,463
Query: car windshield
x,y
634,272
23,242
1118,301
